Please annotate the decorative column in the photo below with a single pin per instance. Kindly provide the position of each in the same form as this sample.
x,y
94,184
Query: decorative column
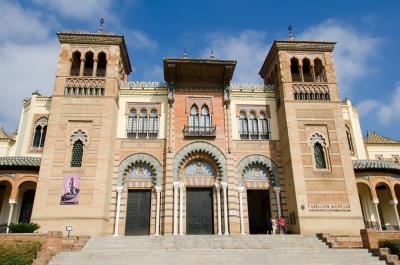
x,y
82,65
176,190
278,200
117,211
94,66
12,203
158,193
224,189
218,188
182,188
394,203
241,190
376,202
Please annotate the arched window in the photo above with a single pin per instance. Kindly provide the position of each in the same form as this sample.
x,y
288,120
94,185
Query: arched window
x,y
307,75
153,124
77,154
194,118
243,126
88,68
319,155
132,123
295,70
75,63
319,71
263,126
40,132
205,119
253,126
143,125
101,64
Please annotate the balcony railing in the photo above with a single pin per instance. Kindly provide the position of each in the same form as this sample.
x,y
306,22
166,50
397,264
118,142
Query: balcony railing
x,y
248,135
204,131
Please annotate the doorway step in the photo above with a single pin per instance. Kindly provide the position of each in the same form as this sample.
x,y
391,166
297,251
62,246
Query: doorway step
x,y
210,250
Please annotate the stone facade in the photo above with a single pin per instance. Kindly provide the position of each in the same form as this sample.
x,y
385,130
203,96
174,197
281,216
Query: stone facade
x,y
130,157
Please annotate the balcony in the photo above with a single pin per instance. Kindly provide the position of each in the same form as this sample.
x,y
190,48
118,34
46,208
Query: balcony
x,y
199,131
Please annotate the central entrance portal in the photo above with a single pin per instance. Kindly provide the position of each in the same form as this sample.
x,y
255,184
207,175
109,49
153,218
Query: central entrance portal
x,y
199,207
138,212
259,210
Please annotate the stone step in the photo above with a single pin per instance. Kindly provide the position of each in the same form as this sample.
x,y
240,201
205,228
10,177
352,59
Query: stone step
x,y
211,257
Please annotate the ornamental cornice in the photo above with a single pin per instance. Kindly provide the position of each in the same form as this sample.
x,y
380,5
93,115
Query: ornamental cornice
x,y
294,45
143,85
260,87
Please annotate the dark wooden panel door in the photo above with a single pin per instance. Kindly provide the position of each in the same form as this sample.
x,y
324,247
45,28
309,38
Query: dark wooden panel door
x,y
138,212
199,209
27,206
259,210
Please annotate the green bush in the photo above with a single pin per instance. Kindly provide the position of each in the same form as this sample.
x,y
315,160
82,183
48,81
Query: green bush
x,y
393,245
18,253
24,227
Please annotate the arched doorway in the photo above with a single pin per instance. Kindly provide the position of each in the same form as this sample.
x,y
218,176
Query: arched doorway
x,y
367,206
385,207
26,197
5,192
199,176
258,176
26,206
141,175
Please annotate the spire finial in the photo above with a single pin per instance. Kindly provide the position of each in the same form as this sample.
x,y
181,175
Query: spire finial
x,y
290,29
101,24
184,55
212,56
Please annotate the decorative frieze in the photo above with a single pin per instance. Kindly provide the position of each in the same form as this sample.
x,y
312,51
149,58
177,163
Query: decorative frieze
x,y
304,91
247,87
143,85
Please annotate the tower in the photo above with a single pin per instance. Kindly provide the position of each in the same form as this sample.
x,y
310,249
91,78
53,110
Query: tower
x,y
76,171
318,172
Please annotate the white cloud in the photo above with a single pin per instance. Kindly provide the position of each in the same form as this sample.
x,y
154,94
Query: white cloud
x,y
385,112
79,9
28,59
138,40
249,48
352,52
19,24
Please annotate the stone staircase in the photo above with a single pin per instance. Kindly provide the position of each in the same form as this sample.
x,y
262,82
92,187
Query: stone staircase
x,y
210,250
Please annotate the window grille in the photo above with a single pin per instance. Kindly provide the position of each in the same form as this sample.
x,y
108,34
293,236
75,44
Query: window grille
x,y
77,154
263,126
253,126
153,124
143,126
243,126
319,155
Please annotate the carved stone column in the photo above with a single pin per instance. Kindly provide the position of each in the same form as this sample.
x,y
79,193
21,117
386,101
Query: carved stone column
x,y
12,203
278,200
241,190
94,67
224,189
376,202
158,193
218,188
394,203
176,190
182,189
117,211
82,65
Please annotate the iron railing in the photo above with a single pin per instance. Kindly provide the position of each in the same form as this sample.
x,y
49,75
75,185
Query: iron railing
x,y
204,131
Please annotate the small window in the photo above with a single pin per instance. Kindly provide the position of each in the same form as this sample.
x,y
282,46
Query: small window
x,y
253,126
77,154
263,126
307,75
205,120
143,124
243,126
75,63
153,124
349,140
132,123
88,67
295,70
319,71
194,118
101,64
319,155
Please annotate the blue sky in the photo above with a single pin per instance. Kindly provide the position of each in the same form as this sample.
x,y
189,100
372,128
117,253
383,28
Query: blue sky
x,y
366,56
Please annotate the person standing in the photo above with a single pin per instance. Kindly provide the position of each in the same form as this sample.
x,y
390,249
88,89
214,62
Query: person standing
x,y
273,221
269,226
281,223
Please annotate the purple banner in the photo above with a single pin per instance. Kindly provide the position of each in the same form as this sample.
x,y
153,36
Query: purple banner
x,y
70,190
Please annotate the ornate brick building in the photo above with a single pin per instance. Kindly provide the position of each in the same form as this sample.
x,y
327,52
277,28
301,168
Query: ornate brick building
x,y
195,154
